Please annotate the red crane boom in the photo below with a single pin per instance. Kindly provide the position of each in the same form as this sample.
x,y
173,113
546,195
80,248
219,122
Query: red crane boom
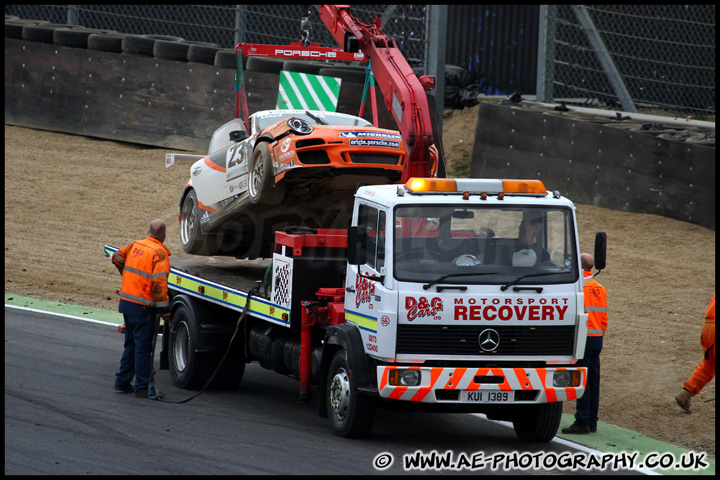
x,y
403,91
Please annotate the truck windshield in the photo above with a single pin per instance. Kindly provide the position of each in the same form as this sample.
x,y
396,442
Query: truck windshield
x,y
449,244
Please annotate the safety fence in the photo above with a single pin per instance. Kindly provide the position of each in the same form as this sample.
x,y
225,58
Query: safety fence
x,y
649,57
228,25
653,58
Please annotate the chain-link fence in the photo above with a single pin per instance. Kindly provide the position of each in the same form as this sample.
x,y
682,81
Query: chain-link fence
x,y
227,25
655,58
639,57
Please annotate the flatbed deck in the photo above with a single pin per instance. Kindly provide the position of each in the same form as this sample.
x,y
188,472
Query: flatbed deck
x,y
238,274
224,281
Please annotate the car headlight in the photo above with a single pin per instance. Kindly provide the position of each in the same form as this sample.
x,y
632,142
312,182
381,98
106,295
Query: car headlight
x,y
299,126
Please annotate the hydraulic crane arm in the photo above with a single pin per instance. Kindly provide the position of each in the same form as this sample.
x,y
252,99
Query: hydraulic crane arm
x,y
403,91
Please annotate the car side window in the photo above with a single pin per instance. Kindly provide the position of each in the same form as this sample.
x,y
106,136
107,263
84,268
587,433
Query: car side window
x,y
222,139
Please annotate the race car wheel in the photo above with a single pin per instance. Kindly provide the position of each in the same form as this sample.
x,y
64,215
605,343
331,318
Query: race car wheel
x,y
191,238
261,181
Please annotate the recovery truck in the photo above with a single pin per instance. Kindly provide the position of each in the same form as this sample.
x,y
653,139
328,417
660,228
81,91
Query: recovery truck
x,y
434,299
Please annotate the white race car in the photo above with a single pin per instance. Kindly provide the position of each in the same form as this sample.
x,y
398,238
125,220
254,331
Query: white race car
x,y
293,168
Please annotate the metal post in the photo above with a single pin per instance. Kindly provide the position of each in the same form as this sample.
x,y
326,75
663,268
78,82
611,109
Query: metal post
x,y
240,23
73,15
546,54
606,60
435,45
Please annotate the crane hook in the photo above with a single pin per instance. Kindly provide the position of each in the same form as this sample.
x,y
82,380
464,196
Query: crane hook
x,y
306,29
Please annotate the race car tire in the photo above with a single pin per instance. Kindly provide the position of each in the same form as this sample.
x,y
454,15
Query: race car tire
x,y
105,42
351,415
261,180
193,241
171,50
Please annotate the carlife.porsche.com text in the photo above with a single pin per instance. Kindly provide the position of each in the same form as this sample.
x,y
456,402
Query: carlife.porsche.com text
x,y
566,461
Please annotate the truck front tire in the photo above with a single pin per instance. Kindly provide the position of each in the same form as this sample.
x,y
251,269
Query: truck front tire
x,y
538,423
352,415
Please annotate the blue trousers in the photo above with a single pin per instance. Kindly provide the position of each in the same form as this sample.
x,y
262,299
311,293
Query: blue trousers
x,y
587,405
135,361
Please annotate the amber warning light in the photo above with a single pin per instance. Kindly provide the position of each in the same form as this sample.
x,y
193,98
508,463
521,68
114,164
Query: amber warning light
x,y
475,186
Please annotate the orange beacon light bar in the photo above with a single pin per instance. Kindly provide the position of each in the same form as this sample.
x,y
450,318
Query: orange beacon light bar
x,y
418,185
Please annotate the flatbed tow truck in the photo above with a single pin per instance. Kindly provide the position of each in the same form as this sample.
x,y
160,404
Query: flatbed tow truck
x,y
433,299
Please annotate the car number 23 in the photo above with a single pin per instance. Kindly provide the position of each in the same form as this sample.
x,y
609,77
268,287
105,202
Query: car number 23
x,y
235,159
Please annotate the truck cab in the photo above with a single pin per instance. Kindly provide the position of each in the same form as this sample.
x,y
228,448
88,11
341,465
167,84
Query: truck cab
x,y
467,294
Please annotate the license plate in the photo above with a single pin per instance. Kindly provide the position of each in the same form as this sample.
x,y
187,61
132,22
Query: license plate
x,y
479,396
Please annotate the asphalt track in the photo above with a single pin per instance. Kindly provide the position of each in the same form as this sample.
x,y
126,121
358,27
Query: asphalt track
x,y
62,417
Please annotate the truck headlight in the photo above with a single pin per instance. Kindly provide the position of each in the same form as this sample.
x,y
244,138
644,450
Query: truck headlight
x,y
566,378
404,377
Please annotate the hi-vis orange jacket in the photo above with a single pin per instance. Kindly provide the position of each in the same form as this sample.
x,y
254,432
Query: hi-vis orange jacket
x,y
595,306
145,266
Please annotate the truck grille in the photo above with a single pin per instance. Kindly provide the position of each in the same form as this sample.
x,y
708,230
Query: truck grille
x,y
463,340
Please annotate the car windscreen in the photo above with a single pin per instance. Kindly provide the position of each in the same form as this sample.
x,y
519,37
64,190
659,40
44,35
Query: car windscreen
x,y
330,118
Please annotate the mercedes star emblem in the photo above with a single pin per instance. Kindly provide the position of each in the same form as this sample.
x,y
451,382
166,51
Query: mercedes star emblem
x,y
489,340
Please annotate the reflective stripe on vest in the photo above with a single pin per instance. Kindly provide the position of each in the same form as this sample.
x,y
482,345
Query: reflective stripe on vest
x,y
596,309
145,274
118,258
144,301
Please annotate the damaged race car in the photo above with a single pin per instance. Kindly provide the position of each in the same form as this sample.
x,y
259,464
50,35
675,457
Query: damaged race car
x,y
294,168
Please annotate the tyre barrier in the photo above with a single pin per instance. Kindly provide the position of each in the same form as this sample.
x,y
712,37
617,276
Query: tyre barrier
x,y
265,65
14,27
350,75
226,58
105,42
74,37
203,53
144,44
170,50
40,32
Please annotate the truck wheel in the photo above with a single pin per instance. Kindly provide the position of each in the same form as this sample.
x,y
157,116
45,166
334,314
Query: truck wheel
x,y
538,423
351,414
188,368
261,184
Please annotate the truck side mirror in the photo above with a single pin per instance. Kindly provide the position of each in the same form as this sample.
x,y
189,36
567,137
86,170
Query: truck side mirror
x,y
600,250
357,245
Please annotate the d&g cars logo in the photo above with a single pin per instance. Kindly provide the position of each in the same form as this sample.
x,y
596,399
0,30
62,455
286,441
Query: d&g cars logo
x,y
422,307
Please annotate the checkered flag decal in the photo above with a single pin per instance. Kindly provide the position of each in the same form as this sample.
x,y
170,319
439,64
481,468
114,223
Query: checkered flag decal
x,y
282,273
